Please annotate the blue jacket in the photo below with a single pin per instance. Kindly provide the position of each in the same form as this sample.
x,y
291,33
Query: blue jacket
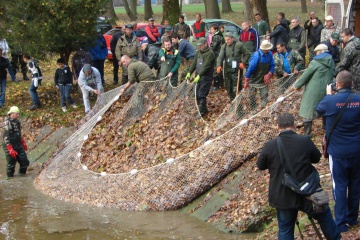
x,y
186,50
345,138
99,51
254,60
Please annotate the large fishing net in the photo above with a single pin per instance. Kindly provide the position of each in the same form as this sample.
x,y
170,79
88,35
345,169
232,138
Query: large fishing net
x,y
149,149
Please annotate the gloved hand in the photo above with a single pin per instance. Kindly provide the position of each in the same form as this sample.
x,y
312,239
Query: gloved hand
x,y
218,70
24,144
246,83
197,79
12,152
241,66
187,77
267,78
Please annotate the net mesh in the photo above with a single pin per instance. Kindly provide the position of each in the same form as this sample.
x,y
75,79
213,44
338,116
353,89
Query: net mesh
x,y
149,149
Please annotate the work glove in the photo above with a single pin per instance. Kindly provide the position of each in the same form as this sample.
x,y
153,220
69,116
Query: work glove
x,y
246,83
218,70
241,66
187,77
24,144
12,152
267,78
197,79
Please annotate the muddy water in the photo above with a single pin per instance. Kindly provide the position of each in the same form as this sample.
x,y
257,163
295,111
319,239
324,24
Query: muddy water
x,y
26,213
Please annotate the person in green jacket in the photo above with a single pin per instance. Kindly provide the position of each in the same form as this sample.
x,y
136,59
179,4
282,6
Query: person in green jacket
x,y
315,78
170,62
138,71
236,57
203,65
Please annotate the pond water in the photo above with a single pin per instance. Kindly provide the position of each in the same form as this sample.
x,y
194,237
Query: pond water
x,y
26,213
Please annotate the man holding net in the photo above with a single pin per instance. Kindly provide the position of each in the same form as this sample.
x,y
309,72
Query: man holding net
x,y
261,68
137,72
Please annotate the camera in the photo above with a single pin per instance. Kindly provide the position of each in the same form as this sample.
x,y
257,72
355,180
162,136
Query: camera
x,y
333,87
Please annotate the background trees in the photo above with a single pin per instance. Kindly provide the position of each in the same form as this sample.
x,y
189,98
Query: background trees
x,y
50,26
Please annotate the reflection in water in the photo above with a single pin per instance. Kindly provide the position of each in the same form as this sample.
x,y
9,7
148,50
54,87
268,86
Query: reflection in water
x,y
26,213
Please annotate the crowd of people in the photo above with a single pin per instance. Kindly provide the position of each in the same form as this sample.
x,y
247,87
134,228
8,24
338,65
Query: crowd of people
x,y
223,61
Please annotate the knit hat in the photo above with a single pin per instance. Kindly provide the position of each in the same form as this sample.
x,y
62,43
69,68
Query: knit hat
x,y
14,109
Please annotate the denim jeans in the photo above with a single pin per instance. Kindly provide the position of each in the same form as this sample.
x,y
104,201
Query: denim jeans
x,y
2,91
33,94
65,95
287,218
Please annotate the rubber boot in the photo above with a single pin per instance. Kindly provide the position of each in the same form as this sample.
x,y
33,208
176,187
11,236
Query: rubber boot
x,y
202,107
307,128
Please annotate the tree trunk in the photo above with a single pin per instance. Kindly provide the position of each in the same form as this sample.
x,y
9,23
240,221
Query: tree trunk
x,y
181,3
133,8
110,11
171,11
226,6
148,10
211,9
128,11
248,11
303,6
261,7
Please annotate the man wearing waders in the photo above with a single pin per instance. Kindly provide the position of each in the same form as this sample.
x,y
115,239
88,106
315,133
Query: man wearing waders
x,y
261,68
203,63
170,62
236,57
13,144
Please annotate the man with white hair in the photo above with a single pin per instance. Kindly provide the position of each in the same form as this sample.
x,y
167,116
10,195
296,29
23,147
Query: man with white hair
x,y
315,78
297,37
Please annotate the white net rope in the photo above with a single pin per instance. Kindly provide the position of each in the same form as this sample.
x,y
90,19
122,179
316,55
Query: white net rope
x,y
150,150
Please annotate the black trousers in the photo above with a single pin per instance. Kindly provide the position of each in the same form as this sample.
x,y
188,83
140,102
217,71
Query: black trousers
x,y
11,162
115,69
99,65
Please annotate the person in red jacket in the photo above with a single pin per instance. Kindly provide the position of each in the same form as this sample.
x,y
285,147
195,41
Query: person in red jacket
x,y
152,32
198,28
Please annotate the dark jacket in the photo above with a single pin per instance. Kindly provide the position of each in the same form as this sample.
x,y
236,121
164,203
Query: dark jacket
x,y
114,41
208,57
315,36
216,42
302,152
12,133
333,51
186,50
278,35
345,138
308,28
4,64
63,76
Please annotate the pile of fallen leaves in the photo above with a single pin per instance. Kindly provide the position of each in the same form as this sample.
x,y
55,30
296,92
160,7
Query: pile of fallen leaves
x,y
159,134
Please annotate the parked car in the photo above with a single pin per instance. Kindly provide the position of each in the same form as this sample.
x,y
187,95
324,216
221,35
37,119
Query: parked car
x,y
140,34
228,25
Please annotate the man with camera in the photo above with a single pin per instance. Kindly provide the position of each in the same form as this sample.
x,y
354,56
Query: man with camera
x,y
343,148
301,152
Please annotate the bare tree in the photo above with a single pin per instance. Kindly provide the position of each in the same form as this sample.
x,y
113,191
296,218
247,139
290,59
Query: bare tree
x,y
226,6
303,6
148,10
131,15
211,9
110,11
248,10
133,5
171,11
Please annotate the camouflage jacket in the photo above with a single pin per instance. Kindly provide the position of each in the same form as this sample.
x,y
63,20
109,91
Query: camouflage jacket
x,y
216,42
294,58
327,31
12,132
350,59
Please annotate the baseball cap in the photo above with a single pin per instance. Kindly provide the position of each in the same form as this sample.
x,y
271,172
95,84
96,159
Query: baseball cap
x,y
168,29
87,67
14,109
129,26
151,19
329,18
335,36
